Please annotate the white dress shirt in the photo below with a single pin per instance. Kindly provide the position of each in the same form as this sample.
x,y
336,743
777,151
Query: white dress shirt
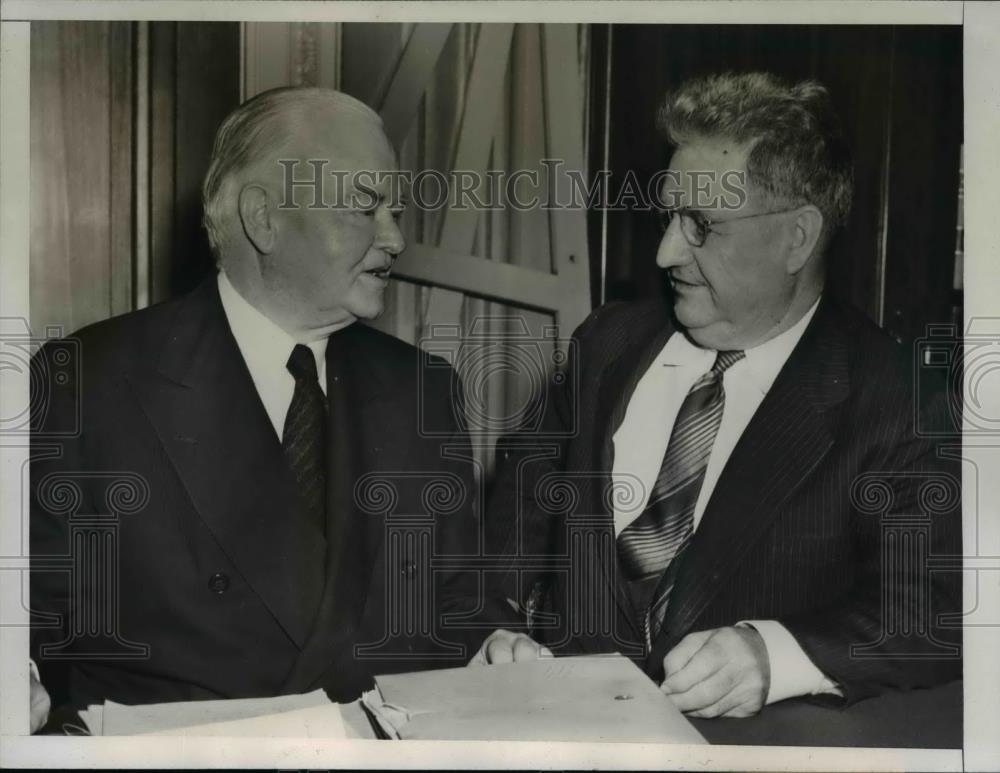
x,y
639,453
266,348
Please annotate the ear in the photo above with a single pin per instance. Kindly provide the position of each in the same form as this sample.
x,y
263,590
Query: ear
x,y
806,230
254,207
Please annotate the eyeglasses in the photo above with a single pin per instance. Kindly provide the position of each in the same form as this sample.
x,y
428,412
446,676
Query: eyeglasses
x,y
696,226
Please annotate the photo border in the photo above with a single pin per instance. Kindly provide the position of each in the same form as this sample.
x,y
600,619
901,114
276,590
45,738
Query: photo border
x,y
981,22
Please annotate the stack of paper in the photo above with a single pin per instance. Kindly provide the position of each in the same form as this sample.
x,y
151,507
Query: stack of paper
x,y
288,716
596,698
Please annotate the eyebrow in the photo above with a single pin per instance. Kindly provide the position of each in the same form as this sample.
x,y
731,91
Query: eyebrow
x,y
380,198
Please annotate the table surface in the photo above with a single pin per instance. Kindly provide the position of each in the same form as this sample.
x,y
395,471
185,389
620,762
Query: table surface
x,y
922,719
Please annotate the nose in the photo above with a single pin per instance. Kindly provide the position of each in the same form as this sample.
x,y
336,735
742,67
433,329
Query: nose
x,y
389,238
674,249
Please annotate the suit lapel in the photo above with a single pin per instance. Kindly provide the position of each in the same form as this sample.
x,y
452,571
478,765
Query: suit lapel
x,y
618,382
362,418
205,409
787,438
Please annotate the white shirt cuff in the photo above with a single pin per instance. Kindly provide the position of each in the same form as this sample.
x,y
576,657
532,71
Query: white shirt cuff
x,y
792,672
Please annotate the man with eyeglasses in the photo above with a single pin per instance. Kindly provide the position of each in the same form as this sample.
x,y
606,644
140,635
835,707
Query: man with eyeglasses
x,y
749,447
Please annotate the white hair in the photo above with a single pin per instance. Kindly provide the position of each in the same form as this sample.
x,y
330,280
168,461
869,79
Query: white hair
x,y
252,135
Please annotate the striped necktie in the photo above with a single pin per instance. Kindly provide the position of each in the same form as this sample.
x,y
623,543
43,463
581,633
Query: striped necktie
x,y
648,546
304,438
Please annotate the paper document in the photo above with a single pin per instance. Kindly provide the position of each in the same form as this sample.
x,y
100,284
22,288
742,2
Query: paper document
x,y
316,722
593,698
311,715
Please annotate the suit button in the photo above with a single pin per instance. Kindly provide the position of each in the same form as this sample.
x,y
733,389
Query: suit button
x,y
218,582
408,569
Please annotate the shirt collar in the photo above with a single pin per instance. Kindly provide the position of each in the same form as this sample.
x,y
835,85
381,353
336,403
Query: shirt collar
x,y
761,364
263,344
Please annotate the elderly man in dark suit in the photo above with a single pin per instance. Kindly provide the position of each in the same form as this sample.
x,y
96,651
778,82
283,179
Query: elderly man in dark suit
x,y
266,438
734,450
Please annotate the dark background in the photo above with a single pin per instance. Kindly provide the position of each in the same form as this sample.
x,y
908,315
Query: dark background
x,y
898,91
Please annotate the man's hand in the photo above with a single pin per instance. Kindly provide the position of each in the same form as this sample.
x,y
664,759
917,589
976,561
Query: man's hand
x,y
40,704
724,672
508,647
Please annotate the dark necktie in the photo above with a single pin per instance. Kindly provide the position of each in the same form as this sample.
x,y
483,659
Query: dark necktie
x,y
648,546
304,438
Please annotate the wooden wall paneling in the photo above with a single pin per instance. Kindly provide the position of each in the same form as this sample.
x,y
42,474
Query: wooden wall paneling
x,y
122,155
330,42
207,89
275,54
123,118
71,119
162,147
141,179
194,82
265,52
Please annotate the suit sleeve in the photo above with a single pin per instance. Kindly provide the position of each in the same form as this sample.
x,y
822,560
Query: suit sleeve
x,y
467,594
56,492
888,630
516,526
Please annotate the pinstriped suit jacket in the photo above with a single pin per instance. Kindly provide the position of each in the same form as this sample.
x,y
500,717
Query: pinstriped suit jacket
x,y
827,517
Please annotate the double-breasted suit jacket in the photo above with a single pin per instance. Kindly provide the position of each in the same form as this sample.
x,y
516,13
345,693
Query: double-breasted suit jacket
x,y
216,587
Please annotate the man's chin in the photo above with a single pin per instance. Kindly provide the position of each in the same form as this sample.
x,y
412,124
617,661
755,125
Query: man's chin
x,y
370,309
367,299
698,323
691,313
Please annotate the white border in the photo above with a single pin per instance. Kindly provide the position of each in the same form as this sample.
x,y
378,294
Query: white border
x,y
982,246
982,291
596,11
14,235
454,755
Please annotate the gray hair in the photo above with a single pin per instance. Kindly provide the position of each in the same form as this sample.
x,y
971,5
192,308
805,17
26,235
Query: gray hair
x,y
798,153
252,135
